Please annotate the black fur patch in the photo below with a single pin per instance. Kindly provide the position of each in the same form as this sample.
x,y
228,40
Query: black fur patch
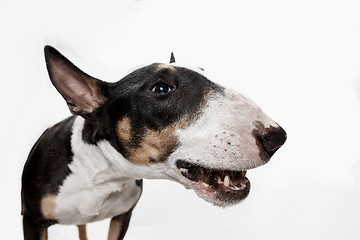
x,y
133,96
47,166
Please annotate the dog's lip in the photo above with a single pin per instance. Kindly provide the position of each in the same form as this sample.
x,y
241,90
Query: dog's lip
x,y
223,185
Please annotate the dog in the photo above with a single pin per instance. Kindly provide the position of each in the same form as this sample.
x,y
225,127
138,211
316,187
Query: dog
x,y
161,121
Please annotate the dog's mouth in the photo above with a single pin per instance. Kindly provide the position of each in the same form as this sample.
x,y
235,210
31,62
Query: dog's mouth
x,y
222,187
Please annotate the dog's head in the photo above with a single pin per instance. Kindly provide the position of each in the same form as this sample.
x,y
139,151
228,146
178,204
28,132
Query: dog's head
x,y
171,122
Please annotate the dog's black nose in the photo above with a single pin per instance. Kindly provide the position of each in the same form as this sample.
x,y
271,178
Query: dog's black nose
x,y
271,138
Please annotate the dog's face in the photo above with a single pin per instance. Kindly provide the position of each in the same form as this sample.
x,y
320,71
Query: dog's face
x,y
172,122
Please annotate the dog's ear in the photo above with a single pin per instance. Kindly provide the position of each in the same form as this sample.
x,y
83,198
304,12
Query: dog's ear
x,y
172,58
82,92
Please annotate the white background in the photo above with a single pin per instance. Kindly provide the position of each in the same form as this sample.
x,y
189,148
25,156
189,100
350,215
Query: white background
x,y
299,60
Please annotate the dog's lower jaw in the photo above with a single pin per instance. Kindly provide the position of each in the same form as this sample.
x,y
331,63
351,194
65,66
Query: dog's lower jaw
x,y
221,197
224,199
220,187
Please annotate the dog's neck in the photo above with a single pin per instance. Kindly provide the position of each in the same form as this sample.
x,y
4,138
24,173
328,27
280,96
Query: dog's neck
x,y
102,162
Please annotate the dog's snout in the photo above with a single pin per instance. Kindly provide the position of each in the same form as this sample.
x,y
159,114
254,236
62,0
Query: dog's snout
x,y
271,138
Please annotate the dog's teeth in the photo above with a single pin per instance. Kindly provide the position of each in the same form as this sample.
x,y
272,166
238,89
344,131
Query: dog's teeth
x,y
242,186
227,181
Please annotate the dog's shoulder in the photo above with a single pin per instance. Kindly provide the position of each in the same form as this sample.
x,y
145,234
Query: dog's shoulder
x,y
46,160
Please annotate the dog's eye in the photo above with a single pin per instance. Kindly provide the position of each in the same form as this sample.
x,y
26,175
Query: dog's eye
x,y
162,88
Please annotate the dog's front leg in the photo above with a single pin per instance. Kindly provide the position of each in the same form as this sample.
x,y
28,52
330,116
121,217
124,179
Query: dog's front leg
x,y
33,231
119,225
82,232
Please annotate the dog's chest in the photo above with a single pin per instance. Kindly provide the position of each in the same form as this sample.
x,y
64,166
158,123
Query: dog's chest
x,y
94,190
95,203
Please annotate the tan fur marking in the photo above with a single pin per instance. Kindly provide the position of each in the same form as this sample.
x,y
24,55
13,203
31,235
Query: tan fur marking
x,y
124,129
48,206
160,67
114,231
157,145
82,232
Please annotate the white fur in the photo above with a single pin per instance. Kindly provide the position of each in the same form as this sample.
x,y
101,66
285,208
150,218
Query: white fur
x,y
94,190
